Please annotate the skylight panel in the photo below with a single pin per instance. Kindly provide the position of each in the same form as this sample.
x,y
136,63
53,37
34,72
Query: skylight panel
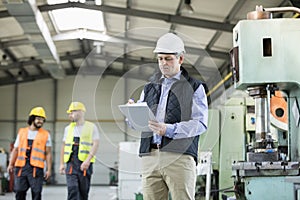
x,y
78,18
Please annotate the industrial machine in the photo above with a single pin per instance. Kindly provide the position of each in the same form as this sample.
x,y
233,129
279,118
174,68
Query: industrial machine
x,y
229,124
266,63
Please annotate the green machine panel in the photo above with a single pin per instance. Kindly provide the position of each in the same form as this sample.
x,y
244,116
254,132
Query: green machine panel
x,y
209,141
232,140
264,52
269,188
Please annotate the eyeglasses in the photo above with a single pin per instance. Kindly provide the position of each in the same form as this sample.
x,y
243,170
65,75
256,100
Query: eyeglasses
x,y
40,118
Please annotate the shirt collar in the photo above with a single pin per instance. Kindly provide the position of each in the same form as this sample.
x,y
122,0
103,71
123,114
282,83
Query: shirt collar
x,y
176,76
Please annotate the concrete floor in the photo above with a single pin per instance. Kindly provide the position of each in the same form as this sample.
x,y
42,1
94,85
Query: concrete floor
x,y
60,193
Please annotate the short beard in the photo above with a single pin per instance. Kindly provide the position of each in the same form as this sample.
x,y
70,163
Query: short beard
x,y
37,126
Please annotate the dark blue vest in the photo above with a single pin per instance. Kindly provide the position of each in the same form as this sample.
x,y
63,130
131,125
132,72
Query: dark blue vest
x,y
178,108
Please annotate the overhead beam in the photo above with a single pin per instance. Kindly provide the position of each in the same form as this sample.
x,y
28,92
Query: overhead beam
x,y
33,23
17,65
10,54
237,6
7,81
18,42
109,59
188,21
128,60
4,13
130,41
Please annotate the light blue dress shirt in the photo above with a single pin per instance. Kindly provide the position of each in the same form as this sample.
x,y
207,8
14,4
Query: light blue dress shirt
x,y
198,123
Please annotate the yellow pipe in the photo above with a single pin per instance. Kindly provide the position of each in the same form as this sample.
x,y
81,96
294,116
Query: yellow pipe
x,y
296,15
220,83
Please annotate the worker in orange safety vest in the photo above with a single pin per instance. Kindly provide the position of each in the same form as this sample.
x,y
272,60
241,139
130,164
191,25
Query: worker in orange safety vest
x,y
31,149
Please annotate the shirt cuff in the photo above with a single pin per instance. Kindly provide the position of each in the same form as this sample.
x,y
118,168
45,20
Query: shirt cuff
x,y
170,131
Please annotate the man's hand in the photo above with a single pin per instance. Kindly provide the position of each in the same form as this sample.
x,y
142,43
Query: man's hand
x,y
62,169
130,101
85,165
47,175
10,168
158,128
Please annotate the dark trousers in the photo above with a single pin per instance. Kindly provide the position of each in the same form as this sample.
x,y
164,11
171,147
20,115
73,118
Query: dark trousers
x,y
78,186
25,181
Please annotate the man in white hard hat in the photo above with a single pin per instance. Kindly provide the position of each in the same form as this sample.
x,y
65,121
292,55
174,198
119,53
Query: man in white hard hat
x,y
32,147
80,144
170,151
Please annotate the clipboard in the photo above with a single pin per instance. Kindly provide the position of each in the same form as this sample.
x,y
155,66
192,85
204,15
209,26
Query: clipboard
x,y
138,115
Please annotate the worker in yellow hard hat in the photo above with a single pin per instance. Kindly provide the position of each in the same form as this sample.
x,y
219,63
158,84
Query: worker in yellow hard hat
x,y
76,106
31,148
80,144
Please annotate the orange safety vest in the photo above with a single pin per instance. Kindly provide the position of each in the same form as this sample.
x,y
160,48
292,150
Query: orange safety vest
x,y
38,151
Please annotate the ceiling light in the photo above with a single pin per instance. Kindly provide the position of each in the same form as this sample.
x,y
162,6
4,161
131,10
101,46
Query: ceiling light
x,y
98,2
187,8
4,60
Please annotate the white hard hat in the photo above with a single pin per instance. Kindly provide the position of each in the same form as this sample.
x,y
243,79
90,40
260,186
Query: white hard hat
x,y
169,43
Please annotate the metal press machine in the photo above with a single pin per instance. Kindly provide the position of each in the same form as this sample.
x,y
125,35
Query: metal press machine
x,y
266,62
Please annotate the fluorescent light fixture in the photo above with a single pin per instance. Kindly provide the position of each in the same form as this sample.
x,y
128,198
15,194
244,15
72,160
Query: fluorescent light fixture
x,y
98,2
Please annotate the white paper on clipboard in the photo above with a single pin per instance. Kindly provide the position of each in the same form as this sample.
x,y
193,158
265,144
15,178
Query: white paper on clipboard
x,y
138,115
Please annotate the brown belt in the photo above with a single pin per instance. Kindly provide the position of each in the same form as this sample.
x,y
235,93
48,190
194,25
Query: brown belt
x,y
155,146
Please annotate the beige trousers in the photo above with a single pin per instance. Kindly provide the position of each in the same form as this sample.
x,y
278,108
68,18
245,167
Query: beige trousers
x,y
164,172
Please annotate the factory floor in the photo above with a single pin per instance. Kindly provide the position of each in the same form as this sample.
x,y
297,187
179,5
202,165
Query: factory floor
x,y
60,193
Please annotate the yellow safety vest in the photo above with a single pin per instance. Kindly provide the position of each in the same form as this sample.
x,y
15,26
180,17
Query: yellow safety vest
x,y
85,144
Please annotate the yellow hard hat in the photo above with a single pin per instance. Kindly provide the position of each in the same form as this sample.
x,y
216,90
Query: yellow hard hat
x,y
76,106
38,111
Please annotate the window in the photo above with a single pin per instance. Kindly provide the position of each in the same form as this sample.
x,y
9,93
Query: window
x,y
72,19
